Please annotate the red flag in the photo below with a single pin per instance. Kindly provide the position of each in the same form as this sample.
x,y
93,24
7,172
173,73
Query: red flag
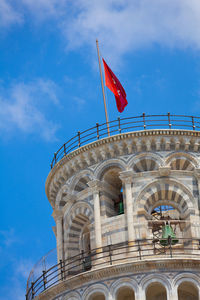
x,y
113,83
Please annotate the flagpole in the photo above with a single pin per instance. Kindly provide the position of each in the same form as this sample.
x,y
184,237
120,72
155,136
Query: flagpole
x,y
102,85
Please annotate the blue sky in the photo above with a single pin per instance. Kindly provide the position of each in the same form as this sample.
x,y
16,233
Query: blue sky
x,y
50,88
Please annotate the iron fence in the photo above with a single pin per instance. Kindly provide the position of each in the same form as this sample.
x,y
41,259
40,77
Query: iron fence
x,y
122,125
112,255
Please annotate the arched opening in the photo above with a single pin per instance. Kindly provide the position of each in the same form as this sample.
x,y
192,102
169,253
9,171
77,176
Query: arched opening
x,y
166,226
86,248
187,291
82,183
78,243
156,291
171,194
112,197
97,296
125,293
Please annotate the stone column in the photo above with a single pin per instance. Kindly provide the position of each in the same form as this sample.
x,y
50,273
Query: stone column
x,y
140,295
194,219
110,297
126,178
59,233
95,187
173,294
197,175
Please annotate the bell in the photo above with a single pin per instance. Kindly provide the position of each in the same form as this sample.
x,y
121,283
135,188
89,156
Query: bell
x,y
167,235
121,208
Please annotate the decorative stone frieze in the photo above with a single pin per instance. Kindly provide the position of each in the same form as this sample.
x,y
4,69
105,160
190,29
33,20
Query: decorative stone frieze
x,y
165,140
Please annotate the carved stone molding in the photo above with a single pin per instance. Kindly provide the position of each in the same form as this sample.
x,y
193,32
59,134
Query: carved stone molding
x,y
164,171
95,186
117,146
127,176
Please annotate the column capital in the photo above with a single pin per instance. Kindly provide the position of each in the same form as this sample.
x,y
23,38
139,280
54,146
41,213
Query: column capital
x,y
126,176
164,170
95,185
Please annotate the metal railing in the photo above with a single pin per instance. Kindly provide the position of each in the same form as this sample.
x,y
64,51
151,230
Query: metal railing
x,y
112,255
122,125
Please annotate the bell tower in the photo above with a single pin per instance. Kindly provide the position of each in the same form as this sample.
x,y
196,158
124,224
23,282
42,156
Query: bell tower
x,y
126,211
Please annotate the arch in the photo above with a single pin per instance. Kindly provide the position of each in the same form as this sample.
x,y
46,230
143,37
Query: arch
x,y
80,181
111,176
145,162
79,220
97,296
171,193
156,290
123,283
187,290
72,296
110,163
125,292
68,207
81,207
191,278
112,194
165,191
60,202
95,290
156,278
182,164
181,161
186,276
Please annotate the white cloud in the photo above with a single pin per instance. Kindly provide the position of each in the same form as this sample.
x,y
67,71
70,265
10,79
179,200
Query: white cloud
x,y
19,270
8,14
8,237
80,102
22,107
121,26
125,26
14,268
43,9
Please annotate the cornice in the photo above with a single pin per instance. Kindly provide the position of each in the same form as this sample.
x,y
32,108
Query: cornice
x,y
73,162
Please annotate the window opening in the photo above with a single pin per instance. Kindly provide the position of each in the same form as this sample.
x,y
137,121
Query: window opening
x,y
165,225
156,291
119,204
125,293
86,249
97,296
113,197
187,291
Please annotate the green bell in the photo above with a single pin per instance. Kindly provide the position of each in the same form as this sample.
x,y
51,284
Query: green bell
x,y
167,234
121,208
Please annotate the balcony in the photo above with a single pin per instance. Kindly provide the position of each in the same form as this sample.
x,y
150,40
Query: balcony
x,y
125,125
138,251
